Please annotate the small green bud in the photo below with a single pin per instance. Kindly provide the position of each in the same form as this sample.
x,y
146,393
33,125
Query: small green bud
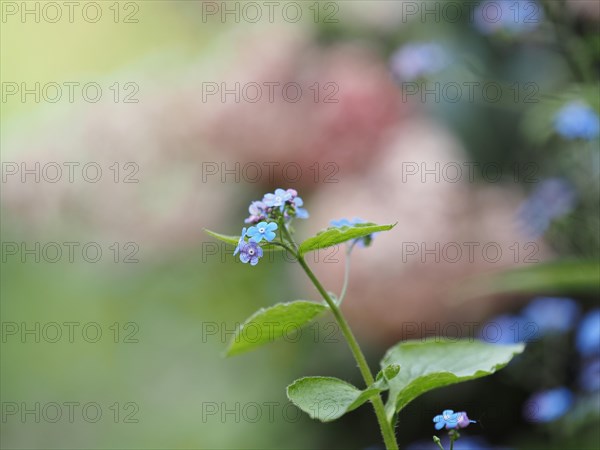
x,y
391,371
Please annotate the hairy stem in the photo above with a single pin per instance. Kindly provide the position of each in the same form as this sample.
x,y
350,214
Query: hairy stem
x,y
346,273
285,232
387,431
437,442
453,437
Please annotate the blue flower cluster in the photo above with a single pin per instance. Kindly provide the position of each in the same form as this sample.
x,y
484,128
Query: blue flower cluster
x,y
587,342
552,315
588,336
281,202
264,216
548,406
542,316
576,120
552,199
452,420
418,59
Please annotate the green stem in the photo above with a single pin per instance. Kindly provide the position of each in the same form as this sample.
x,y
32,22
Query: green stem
x,y
387,431
454,435
283,245
437,441
286,232
346,273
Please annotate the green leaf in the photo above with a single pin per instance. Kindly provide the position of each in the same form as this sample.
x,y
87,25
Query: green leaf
x,y
233,240
436,362
327,398
267,325
336,235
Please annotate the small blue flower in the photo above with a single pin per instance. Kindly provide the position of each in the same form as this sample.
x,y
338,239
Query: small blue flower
x,y
341,223
262,230
251,252
258,212
241,242
278,199
301,213
451,420
588,335
548,406
418,59
576,120
552,314
508,329
257,208
513,16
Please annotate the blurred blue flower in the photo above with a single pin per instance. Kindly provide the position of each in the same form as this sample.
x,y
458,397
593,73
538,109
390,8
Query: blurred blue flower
x,y
418,59
301,213
451,420
576,120
241,242
588,335
509,16
364,241
277,199
548,406
589,376
551,199
552,314
341,223
251,252
508,329
262,230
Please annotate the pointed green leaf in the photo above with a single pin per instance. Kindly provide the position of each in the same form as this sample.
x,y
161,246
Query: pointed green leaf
x,y
233,240
267,325
337,235
436,362
327,398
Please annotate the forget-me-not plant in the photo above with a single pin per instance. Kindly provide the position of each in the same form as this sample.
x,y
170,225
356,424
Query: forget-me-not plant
x,y
408,369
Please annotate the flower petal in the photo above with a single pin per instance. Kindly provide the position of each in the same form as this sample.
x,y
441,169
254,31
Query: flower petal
x,y
301,213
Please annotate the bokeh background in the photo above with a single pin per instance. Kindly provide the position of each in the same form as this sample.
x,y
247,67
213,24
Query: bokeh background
x,y
378,132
